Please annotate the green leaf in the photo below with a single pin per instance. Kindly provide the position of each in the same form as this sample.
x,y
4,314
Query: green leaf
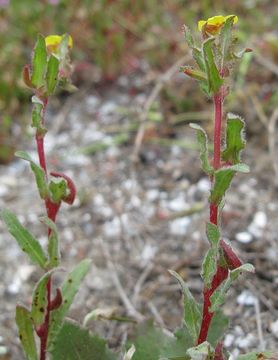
x,y
234,274
198,57
214,79
24,239
69,289
58,189
192,315
149,342
203,351
259,355
217,328
213,234
175,348
188,36
37,112
26,332
203,146
38,172
52,74
235,141
39,62
218,297
73,342
53,243
225,40
209,267
195,74
39,300
223,178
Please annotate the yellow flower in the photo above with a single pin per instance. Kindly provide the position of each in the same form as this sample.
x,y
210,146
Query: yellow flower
x,y
52,42
214,24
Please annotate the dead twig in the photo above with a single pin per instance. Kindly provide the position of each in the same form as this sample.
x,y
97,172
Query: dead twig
x,y
163,79
259,324
114,274
272,138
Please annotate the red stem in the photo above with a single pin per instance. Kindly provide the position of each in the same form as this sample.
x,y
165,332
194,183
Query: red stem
x,y
230,257
52,210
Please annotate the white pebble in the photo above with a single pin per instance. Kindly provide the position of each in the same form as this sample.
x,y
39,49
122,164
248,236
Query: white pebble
x,y
229,340
274,328
244,237
180,226
246,298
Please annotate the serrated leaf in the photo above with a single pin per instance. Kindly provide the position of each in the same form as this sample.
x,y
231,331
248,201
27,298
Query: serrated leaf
x,y
192,315
213,234
209,267
58,189
214,79
259,355
217,328
218,297
39,62
26,332
203,146
222,181
25,240
38,172
149,341
73,342
203,351
39,300
225,39
69,289
52,73
53,243
235,141
175,348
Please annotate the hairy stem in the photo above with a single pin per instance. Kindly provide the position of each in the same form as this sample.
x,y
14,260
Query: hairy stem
x,y
51,210
231,259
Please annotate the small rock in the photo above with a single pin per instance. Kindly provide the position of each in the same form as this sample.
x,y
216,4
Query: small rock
x,y
203,185
244,237
148,253
274,328
112,228
152,194
229,340
258,224
180,226
246,298
178,204
246,341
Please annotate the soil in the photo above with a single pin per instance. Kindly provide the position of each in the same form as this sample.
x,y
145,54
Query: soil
x,y
142,218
